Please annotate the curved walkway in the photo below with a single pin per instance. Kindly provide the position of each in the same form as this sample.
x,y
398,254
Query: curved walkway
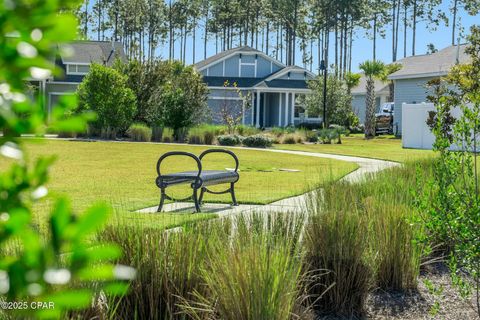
x,y
367,166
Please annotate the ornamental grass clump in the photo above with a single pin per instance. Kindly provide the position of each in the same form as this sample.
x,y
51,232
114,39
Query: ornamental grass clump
x,y
256,274
336,245
139,132
168,267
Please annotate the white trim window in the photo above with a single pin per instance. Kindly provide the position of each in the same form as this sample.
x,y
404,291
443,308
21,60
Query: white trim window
x,y
300,109
78,69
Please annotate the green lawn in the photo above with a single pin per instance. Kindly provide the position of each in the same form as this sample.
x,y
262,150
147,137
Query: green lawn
x,y
124,174
383,147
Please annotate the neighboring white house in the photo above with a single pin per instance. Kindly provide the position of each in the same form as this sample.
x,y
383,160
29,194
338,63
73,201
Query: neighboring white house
x,y
411,81
359,94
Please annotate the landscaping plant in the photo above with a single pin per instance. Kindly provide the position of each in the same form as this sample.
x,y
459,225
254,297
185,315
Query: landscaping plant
x,y
339,101
231,112
257,141
373,70
43,275
229,140
452,202
139,132
104,91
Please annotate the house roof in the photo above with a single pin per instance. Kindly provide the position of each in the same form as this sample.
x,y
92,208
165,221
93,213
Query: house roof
x,y
431,65
286,84
285,70
223,54
381,87
93,51
241,82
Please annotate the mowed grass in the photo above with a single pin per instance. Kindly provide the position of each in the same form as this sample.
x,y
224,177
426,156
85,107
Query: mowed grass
x,y
124,174
383,147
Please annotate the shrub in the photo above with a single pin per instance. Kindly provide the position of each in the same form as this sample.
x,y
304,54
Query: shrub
x,y
157,134
208,137
193,139
246,131
289,139
311,136
340,130
278,131
183,100
257,141
326,136
310,126
357,129
139,132
229,140
104,91
167,135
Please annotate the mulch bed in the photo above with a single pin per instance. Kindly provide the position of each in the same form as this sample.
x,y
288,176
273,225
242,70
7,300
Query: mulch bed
x,y
419,304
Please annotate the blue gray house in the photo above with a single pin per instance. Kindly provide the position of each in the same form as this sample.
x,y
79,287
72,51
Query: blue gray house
x,y
277,91
411,81
75,59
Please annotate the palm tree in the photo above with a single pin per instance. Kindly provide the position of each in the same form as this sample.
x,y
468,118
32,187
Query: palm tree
x,y
352,80
389,69
373,70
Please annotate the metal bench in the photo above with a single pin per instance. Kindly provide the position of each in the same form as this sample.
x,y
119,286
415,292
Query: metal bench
x,y
198,180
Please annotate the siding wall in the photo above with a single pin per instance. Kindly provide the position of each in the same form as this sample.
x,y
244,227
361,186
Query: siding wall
x,y
360,108
264,67
408,91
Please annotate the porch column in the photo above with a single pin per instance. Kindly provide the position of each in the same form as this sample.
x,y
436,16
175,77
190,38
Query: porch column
x,y
293,108
252,107
280,109
265,103
287,96
257,118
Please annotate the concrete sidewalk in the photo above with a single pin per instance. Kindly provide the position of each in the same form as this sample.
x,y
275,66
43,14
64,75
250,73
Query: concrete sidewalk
x,y
295,204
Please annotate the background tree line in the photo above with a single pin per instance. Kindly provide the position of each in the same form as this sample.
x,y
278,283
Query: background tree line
x,y
292,31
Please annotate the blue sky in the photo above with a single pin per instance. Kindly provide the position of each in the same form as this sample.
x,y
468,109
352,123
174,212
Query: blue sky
x,y
441,38
362,47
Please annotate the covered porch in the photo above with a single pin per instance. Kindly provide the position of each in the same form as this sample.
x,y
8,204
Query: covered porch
x,y
278,108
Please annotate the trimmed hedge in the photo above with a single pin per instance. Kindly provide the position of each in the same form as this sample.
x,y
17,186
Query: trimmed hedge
x,y
229,140
257,141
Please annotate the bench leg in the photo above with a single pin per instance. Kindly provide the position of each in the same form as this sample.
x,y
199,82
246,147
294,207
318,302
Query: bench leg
x,y
202,193
195,199
232,192
162,200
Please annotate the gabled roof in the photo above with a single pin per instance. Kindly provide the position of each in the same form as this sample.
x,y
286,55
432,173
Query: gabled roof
x,y
381,87
285,84
241,82
288,69
228,53
93,51
431,65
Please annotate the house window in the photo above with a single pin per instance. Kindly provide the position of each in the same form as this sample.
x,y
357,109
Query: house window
x,y
301,109
78,69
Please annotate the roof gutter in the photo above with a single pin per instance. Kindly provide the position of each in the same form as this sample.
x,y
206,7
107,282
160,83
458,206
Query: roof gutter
x,y
418,75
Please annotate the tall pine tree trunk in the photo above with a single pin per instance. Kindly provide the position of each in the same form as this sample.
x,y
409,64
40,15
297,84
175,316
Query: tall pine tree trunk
x,y
454,24
414,27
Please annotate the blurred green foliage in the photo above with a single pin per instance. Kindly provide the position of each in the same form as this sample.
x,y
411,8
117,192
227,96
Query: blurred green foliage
x,y
60,267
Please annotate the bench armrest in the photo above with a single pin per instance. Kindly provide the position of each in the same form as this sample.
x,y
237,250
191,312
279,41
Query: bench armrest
x,y
221,151
179,153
